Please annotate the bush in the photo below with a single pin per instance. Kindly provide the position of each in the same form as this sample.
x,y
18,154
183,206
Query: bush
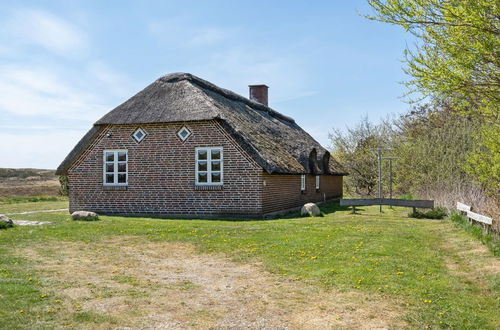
x,y
435,213
64,182
5,225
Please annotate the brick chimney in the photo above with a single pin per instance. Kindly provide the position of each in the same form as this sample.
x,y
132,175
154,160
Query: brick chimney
x,y
258,93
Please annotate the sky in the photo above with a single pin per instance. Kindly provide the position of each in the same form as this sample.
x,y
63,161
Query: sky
x,y
64,64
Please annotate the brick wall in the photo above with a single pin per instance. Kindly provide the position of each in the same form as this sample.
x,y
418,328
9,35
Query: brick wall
x,y
161,174
282,191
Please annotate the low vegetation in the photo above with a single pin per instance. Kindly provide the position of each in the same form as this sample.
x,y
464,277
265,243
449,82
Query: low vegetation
x,y
28,182
435,213
25,199
383,270
490,239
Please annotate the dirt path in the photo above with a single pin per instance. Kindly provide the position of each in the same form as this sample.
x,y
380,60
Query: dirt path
x,y
41,211
133,283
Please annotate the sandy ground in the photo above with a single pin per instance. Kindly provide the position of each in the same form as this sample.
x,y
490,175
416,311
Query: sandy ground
x,y
152,285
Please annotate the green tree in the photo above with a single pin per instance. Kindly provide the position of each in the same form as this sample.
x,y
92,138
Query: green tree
x,y
456,61
352,148
484,161
432,145
457,58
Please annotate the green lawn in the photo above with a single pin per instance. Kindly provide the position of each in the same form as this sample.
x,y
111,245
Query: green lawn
x,y
440,276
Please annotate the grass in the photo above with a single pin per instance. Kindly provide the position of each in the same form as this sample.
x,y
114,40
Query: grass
x,y
436,271
33,199
33,206
489,239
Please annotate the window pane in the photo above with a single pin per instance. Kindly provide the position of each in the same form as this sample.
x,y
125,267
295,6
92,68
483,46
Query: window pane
x,y
202,154
109,178
202,177
122,156
110,167
215,153
202,165
122,167
215,177
110,156
122,178
216,165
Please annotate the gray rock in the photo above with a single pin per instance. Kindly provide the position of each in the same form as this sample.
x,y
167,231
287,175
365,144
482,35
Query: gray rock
x,y
30,223
84,215
310,209
5,221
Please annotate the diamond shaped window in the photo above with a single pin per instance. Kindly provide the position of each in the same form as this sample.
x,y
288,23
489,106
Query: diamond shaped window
x,y
183,133
139,135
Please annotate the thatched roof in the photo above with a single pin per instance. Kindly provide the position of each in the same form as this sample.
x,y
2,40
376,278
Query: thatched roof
x,y
274,140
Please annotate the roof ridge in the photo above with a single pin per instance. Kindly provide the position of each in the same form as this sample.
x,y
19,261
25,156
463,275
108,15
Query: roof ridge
x,y
180,76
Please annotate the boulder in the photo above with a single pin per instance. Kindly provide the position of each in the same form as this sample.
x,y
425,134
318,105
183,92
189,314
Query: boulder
x,y
310,209
5,221
84,215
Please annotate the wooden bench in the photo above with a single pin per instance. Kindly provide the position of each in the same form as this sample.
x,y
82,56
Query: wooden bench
x,y
420,203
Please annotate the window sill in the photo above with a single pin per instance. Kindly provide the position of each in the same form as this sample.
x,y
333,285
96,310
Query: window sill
x,y
209,187
113,188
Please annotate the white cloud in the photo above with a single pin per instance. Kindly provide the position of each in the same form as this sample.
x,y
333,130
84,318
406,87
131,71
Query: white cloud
x,y
35,91
46,30
235,68
207,36
182,33
104,76
40,150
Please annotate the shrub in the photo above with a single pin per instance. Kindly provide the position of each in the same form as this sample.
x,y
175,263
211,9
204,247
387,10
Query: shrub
x,y
435,213
6,224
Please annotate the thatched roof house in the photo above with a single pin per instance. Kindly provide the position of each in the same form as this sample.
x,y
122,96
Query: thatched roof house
x,y
270,140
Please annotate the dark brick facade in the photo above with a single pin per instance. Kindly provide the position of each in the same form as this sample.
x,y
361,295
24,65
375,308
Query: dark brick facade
x,y
161,176
283,191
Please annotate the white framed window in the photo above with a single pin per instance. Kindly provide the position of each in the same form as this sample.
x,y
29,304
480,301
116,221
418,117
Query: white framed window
x,y
302,182
183,133
317,182
209,166
139,135
115,168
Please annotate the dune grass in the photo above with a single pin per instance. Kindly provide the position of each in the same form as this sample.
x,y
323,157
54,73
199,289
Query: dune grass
x,y
32,199
440,274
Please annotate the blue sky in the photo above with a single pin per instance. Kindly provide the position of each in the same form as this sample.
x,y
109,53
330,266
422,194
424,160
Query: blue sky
x,y
65,64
